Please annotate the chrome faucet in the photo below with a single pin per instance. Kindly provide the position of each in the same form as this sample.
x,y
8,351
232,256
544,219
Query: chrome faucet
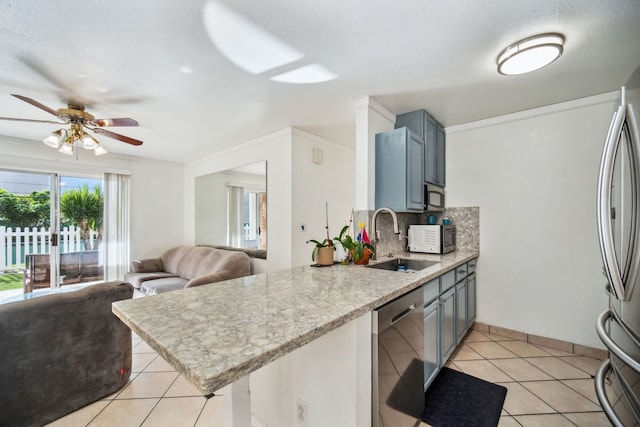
x,y
376,233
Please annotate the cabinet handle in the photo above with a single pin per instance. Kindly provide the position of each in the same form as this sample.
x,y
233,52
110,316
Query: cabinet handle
x,y
462,271
472,265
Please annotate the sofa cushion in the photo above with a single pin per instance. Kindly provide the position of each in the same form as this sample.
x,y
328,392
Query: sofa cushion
x,y
137,279
146,265
191,261
158,286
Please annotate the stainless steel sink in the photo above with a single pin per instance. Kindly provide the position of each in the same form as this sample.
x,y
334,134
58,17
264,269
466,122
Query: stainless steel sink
x,y
402,265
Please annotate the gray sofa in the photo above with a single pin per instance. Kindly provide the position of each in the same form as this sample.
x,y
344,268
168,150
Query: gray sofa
x,y
187,266
61,352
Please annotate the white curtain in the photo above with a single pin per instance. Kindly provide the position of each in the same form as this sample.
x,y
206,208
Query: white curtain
x,y
116,226
235,232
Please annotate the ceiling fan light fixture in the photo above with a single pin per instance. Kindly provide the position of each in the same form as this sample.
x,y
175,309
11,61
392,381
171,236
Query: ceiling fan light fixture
x,y
530,54
99,150
54,139
67,148
88,142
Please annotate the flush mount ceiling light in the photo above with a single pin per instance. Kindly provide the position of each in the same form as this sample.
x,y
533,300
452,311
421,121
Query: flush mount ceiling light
x,y
530,54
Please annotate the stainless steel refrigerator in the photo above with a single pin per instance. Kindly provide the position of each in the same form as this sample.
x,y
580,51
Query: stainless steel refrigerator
x,y
617,381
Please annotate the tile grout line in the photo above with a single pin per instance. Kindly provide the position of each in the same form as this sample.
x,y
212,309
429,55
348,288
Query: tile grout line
x,y
554,379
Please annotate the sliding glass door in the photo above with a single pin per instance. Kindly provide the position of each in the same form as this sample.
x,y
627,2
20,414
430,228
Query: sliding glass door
x,y
50,229
81,213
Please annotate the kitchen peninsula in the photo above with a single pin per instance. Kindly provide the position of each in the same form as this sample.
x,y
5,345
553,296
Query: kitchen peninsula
x,y
220,333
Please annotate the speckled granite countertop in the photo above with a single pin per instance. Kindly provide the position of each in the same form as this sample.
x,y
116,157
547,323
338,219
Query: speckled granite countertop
x,y
215,334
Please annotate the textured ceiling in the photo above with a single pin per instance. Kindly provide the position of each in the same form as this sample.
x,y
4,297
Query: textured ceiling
x,y
127,59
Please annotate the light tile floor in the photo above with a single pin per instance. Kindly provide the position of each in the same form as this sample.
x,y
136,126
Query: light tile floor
x,y
546,387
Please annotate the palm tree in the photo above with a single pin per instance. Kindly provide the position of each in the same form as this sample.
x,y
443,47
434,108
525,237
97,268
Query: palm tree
x,y
84,208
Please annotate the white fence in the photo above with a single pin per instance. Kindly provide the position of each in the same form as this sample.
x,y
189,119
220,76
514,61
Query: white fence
x,y
16,243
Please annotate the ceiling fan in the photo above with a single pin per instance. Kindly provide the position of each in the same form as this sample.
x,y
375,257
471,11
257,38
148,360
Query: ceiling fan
x,y
75,115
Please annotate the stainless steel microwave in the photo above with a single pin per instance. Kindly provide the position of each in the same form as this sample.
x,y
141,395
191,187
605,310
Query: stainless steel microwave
x,y
433,198
432,239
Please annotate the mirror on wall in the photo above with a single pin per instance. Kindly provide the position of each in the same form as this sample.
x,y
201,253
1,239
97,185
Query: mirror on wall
x,y
231,208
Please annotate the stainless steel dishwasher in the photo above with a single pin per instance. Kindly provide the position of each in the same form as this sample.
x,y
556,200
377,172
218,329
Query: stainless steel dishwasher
x,y
397,359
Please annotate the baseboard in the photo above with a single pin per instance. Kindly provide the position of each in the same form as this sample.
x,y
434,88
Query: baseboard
x,y
565,346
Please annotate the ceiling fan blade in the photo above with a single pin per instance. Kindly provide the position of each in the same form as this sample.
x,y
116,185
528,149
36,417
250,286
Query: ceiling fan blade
x,y
117,136
123,121
37,104
33,121
40,68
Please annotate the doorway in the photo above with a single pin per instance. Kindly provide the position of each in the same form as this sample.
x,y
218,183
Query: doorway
x,y
50,230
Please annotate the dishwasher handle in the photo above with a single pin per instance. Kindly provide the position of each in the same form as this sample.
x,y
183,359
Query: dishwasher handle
x,y
395,319
394,311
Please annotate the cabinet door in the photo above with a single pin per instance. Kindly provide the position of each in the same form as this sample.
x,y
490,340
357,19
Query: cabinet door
x,y
440,151
414,121
461,310
432,354
399,182
448,318
415,180
430,151
471,300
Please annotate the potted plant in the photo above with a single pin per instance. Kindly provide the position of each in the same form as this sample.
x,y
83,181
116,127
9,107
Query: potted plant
x,y
359,251
322,252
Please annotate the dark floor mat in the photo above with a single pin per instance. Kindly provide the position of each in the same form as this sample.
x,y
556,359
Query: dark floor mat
x,y
456,399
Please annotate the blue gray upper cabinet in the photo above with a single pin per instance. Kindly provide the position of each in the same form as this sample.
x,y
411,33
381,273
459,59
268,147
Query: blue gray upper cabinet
x,y
399,166
432,132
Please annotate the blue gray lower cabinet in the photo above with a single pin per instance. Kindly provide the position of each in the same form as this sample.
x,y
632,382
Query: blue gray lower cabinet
x,y
432,327
449,312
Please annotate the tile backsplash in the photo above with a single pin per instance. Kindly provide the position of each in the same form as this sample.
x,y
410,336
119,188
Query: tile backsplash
x,y
466,220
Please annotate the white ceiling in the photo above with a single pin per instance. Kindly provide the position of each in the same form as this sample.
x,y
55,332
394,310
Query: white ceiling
x,y
124,59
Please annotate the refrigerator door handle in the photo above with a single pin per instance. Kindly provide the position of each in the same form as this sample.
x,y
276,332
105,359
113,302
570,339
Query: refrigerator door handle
x,y
611,345
634,256
602,394
605,181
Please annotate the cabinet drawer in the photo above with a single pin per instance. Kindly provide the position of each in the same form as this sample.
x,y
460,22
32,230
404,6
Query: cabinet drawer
x,y
472,265
447,280
431,290
462,271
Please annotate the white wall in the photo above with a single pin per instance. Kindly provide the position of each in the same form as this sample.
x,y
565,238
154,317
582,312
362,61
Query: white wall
x,y
313,185
533,175
210,220
157,211
332,375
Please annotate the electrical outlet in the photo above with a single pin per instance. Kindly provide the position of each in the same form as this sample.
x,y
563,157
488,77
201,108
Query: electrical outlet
x,y
301,413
